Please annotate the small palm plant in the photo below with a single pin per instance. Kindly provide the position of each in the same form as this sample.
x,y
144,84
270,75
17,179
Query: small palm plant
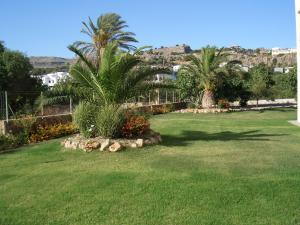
x,y
207,72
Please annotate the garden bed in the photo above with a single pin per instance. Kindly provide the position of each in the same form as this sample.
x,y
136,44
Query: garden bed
x,y
112,145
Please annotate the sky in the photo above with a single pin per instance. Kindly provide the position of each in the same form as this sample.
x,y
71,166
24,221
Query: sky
x,y
47,27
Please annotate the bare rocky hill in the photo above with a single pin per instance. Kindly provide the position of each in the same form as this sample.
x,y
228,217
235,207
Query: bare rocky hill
x,y
170,56
50,62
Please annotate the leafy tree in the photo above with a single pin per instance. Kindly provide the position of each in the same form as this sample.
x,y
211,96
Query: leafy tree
x,y
285,84
108,28
15,77
2,48
207,72
261,82
187,85
235,84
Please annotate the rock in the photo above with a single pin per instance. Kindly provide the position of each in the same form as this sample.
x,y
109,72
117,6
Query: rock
x,y
115,147
105,144
71,144
147,142
133,145
140,143
92,145
158,137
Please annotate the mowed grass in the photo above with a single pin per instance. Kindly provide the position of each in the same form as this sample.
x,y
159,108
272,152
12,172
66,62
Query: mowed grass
x,y
236,168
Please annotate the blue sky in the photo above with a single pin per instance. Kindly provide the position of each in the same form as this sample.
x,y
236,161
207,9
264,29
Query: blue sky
x,y
47,27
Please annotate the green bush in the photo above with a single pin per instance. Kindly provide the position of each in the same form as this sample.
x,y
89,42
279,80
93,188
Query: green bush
x,y
84,118
109,120
10,141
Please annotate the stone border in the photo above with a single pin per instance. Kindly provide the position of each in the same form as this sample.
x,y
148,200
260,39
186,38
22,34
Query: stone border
x,y
113,145
212,110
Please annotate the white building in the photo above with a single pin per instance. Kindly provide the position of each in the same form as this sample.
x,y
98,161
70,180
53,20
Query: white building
x,y
278,70
52,79
284,51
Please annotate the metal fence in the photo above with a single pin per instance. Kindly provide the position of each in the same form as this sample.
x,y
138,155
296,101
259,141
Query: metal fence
x,y
17,104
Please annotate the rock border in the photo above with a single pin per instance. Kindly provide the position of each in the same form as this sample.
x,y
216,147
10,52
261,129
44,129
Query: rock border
x,y
212,110
112,145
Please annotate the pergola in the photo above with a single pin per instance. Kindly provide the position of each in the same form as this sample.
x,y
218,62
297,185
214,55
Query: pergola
x,y
297,7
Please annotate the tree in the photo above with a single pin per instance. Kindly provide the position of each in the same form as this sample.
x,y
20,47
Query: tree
x,y
189,90
235,84
108,28
15,77
2,48
261,82
118,77
285,84
207,72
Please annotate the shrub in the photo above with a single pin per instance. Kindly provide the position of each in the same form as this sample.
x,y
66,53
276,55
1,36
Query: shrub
x,y
6,142
109,120
191,105
135,126
48,132
85,118
160,109
25,125
223,104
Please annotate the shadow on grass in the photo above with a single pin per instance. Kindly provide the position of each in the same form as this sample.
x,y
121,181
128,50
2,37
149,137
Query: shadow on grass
x,y
186,137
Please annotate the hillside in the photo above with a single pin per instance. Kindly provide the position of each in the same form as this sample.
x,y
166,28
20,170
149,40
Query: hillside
x,y
170,56
50,62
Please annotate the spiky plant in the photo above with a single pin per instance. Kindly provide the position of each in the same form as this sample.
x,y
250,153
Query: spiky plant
x,y
207,71
118,78
108,28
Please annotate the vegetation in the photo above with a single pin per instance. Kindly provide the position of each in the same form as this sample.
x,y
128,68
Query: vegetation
x,y
204,79
234,168
285,84
207,72
261,82
42,71
108,28
15,77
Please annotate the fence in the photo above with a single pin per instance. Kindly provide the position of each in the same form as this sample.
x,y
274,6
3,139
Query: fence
x,y
16,104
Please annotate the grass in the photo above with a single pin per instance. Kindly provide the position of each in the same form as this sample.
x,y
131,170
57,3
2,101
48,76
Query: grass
x,y
237,168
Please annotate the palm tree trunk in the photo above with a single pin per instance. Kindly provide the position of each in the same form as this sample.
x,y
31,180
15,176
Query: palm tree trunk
x,y
208,100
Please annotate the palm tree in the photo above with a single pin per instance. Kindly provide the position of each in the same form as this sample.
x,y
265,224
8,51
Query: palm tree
x,y
207,71
108,28
120,76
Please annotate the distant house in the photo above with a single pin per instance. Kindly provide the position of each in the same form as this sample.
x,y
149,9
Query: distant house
x,y
283,51
52,79
162,76
278,70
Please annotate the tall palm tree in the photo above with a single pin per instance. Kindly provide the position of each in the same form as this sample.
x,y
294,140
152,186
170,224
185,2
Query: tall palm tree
x,y
207,71
108,28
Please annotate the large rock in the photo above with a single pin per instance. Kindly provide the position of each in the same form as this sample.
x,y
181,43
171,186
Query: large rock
x,y
91,145
140,143
115,147
105,144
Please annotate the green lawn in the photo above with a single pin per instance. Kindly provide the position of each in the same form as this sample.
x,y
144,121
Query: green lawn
x,y
235,168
